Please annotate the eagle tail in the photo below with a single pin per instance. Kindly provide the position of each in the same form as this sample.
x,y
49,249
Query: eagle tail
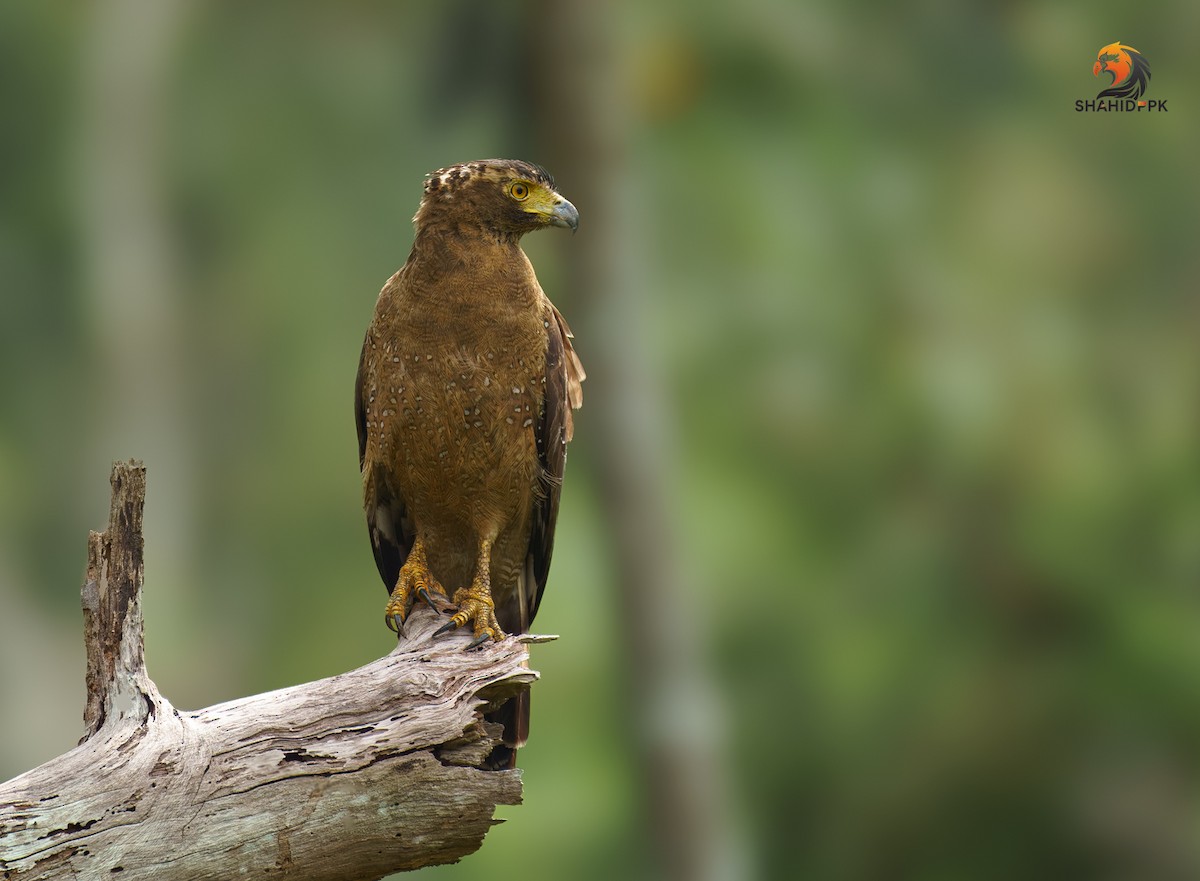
x,y
514,616
513,715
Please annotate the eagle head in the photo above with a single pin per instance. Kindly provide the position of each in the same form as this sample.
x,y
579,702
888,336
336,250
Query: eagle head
x,y
502,197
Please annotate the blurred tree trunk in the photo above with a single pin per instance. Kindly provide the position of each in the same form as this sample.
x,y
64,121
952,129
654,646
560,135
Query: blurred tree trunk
x,y
132,293
582,126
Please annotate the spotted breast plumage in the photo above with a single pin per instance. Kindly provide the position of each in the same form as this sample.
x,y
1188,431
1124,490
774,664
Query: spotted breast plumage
x,y
463,404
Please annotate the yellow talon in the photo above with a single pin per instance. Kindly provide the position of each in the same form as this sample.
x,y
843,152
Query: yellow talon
x,y
472,609
415,580
475,604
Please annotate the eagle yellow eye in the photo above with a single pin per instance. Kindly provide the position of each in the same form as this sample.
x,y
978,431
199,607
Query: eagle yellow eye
x,y
519,191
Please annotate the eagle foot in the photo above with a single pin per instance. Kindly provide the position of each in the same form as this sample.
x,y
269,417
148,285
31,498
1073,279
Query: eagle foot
x,y
475,605
415,582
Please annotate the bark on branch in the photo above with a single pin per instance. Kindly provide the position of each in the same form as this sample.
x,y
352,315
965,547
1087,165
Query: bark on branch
x,y
352,777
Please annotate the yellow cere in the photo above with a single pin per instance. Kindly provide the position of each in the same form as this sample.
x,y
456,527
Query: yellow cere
x,y
535,198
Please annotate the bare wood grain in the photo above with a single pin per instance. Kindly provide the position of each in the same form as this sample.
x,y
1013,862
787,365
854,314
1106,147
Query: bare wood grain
x,y
356,776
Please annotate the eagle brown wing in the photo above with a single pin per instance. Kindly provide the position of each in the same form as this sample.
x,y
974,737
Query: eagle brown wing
x,y
564,392
388,523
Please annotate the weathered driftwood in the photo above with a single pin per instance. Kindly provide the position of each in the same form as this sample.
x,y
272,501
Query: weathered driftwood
x,y
350,777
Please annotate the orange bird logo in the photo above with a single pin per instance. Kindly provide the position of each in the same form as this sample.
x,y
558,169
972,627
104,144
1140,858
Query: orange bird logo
x,y
1130,71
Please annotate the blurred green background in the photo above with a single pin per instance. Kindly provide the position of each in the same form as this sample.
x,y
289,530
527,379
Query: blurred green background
x,y
921,361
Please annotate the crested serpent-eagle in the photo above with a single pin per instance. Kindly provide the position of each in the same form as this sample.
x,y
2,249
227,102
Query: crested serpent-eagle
x,y
463,404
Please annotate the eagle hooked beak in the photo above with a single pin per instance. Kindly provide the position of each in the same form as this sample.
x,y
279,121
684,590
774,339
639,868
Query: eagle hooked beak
x,y
564,214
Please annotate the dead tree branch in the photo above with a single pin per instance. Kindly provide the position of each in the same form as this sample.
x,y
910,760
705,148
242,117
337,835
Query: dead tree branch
x,y
352,777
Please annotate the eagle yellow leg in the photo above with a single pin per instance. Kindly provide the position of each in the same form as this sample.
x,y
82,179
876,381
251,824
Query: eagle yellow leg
x,y
414,579
475,603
